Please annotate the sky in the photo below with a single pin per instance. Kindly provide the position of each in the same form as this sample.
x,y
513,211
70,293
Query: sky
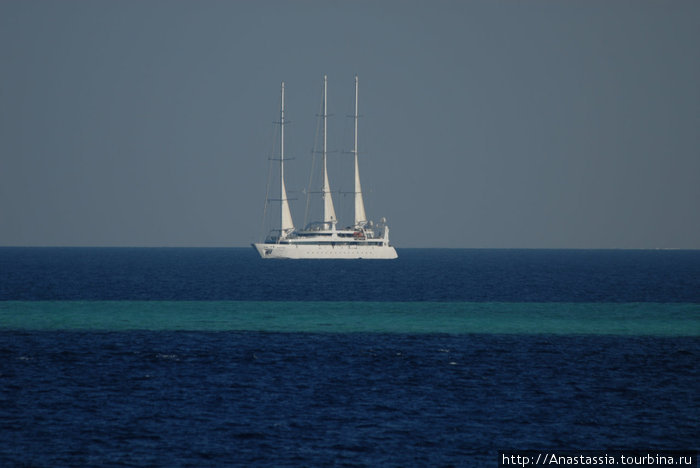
x,y
485,124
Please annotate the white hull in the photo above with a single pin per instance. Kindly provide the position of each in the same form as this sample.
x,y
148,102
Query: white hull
x,y
316,251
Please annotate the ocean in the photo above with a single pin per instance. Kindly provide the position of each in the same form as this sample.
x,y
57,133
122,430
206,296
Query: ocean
x,y
443,357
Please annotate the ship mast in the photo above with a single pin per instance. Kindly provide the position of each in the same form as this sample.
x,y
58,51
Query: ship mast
x,y
286,224
360,216
328,210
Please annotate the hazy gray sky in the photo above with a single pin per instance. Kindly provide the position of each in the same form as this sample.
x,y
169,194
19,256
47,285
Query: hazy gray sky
x,y
486,124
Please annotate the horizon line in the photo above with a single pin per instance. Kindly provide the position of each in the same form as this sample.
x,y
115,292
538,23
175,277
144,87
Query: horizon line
x,y
398,248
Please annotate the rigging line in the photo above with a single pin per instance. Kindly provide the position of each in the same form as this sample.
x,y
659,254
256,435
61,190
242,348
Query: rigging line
x,y
349,135
313,164
269,178
344,143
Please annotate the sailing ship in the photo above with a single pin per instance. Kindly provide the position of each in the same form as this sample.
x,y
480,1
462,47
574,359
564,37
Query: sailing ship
x,y
323,239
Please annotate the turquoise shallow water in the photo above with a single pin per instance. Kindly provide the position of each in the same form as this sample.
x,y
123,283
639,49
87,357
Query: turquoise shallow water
x,y
644,319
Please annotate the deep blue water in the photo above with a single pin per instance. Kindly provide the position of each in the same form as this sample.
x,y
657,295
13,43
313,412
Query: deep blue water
x,y
524,358
417,275
276,399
